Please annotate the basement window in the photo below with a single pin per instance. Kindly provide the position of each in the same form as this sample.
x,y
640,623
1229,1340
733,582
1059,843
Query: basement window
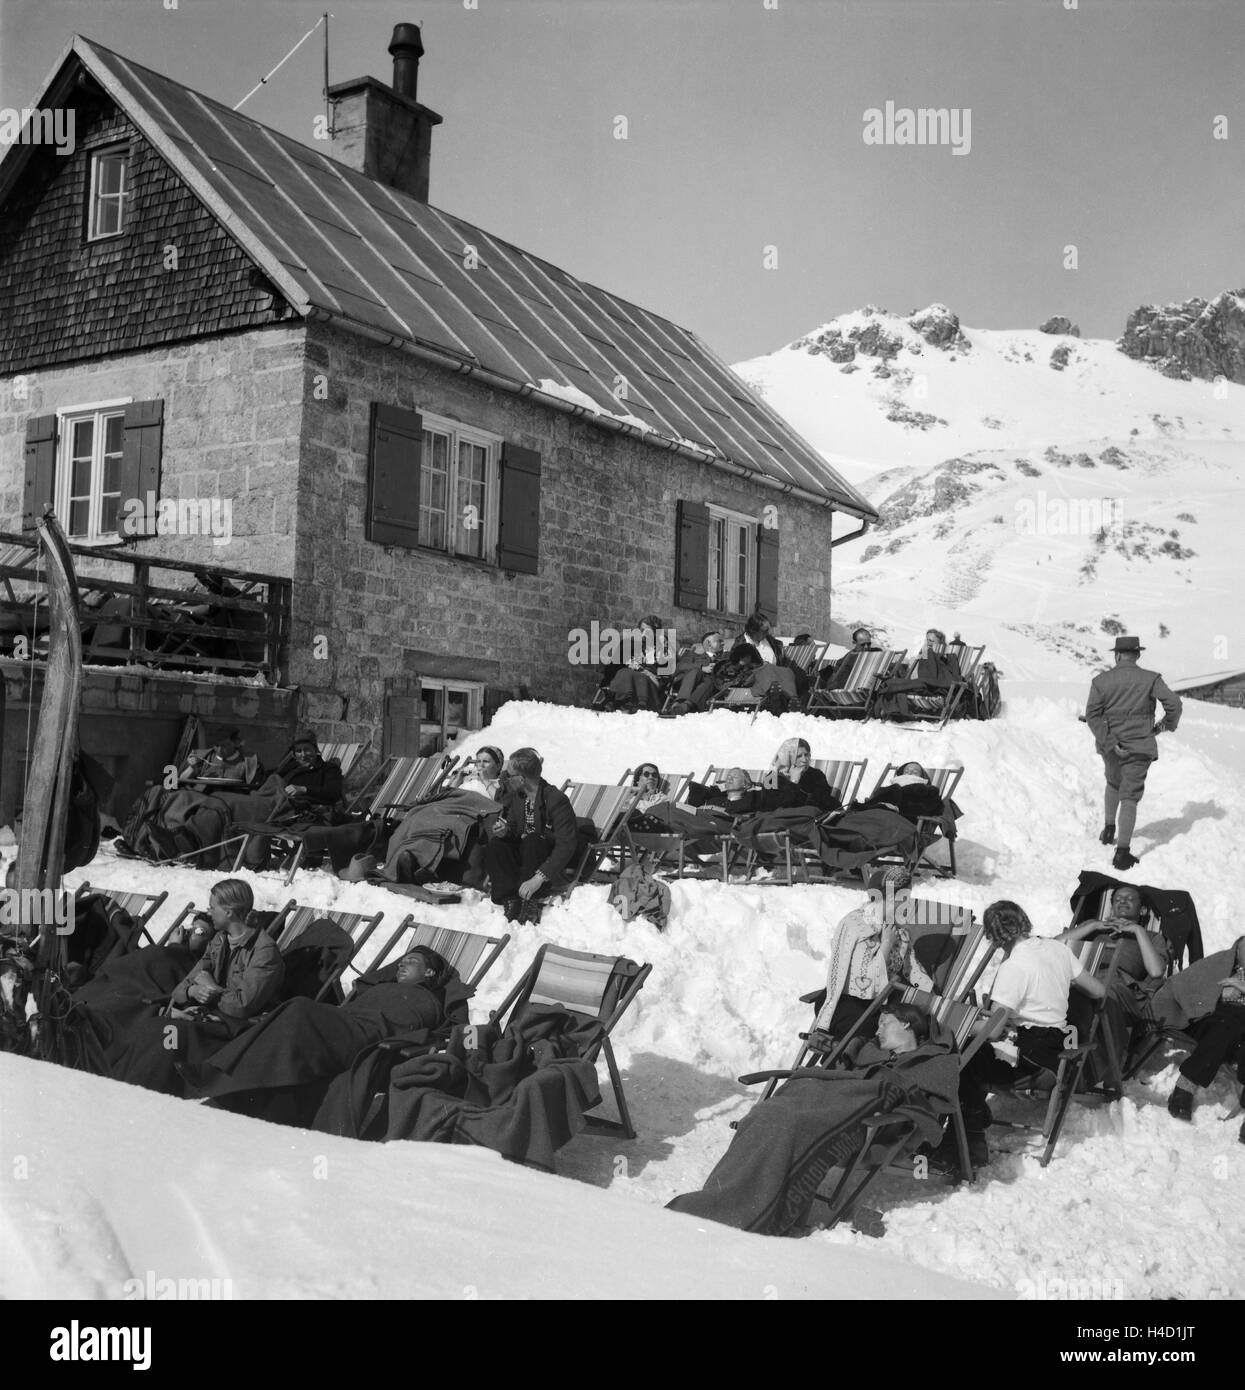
x,y
448,706
108,201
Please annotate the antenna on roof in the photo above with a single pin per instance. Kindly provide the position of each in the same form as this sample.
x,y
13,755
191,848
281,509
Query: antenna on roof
x,y
324,19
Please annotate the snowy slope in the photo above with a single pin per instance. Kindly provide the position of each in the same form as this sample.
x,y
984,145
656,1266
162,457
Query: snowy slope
x,y
1129,1182
1024,504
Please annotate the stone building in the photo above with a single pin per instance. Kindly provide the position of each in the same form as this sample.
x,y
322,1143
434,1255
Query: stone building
x,y
455,452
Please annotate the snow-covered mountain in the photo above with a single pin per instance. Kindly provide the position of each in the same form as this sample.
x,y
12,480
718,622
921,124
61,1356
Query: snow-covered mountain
x,y
1038,491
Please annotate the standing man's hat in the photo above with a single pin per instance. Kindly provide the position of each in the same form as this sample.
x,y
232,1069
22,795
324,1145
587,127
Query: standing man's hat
x,y
1128,644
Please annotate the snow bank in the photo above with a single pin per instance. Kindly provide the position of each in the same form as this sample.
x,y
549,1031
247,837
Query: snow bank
x,y
1156,1205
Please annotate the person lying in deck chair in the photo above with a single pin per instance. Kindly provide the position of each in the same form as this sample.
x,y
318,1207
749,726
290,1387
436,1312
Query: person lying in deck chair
x,y
304,790
883,823
802,797
281,1067
934,672
1209,999
532,842
1141,957
236,979
786,1145
1033,983
869,949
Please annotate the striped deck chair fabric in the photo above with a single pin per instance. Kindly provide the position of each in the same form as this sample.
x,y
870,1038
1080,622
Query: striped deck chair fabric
x,y
142,907
295,920
470,953
607,808
856,694
673,784
409,781
596,986
806,657
844,776
345,754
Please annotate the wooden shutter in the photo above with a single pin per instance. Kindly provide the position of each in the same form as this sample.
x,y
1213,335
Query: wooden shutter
x,y
140,465
767,572
518,541
403,720
40,469
392,516
691,557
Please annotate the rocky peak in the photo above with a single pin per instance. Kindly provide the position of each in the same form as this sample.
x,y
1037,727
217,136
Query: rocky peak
x,y
873,332
1062,326
1199,338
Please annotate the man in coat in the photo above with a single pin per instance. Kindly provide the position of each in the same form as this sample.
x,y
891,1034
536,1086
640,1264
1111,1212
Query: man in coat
x,y
533,841
1120,713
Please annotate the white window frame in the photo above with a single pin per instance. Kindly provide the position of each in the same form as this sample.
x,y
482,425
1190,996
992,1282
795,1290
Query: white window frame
x,y
729,581
66,418
459,433
94,196
475,705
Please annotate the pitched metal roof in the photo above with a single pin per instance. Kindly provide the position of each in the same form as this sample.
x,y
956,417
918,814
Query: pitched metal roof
x,y
340,245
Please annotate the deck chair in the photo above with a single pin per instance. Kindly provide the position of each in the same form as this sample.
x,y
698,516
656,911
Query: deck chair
x,y
736,697
471,954
942,706
400,783
601,987
654,848
855,699
946,939
930,829
972,1028
293,921
142,907
606,808
1152,1032
844,778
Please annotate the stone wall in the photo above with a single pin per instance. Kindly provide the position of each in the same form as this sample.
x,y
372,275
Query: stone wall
x,y
607,546
232,421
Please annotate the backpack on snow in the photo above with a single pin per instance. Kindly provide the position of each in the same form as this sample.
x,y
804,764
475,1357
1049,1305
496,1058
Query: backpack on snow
x,y
636,893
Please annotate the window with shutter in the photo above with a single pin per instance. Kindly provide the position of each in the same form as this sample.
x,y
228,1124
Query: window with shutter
x,y
139,482
730,563
518,546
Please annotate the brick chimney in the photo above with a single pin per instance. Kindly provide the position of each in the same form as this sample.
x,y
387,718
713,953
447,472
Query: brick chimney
x,y
384,132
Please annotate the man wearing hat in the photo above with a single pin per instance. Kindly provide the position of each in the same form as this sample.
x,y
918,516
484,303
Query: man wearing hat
x,y
1120,713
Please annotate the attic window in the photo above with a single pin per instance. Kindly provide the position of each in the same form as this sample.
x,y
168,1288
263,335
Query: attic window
x,y
110,192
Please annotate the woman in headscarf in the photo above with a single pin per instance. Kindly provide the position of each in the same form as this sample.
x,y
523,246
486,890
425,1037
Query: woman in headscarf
x,y
793,767
871,947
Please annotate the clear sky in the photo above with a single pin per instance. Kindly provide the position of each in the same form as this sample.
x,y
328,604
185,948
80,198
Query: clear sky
x,y
1091,127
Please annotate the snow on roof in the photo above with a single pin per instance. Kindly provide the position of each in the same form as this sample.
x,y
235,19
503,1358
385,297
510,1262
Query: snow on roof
x,y
1215,678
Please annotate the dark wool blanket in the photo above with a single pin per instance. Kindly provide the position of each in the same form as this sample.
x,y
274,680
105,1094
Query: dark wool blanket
x,y
785,1146
301,1041
127,989
858,837
523,1092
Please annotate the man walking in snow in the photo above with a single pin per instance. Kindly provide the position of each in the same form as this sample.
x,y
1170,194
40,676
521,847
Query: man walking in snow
x,y
1120,713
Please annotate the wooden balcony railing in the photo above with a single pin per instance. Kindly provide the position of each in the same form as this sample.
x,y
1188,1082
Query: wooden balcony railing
x,y
225,622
